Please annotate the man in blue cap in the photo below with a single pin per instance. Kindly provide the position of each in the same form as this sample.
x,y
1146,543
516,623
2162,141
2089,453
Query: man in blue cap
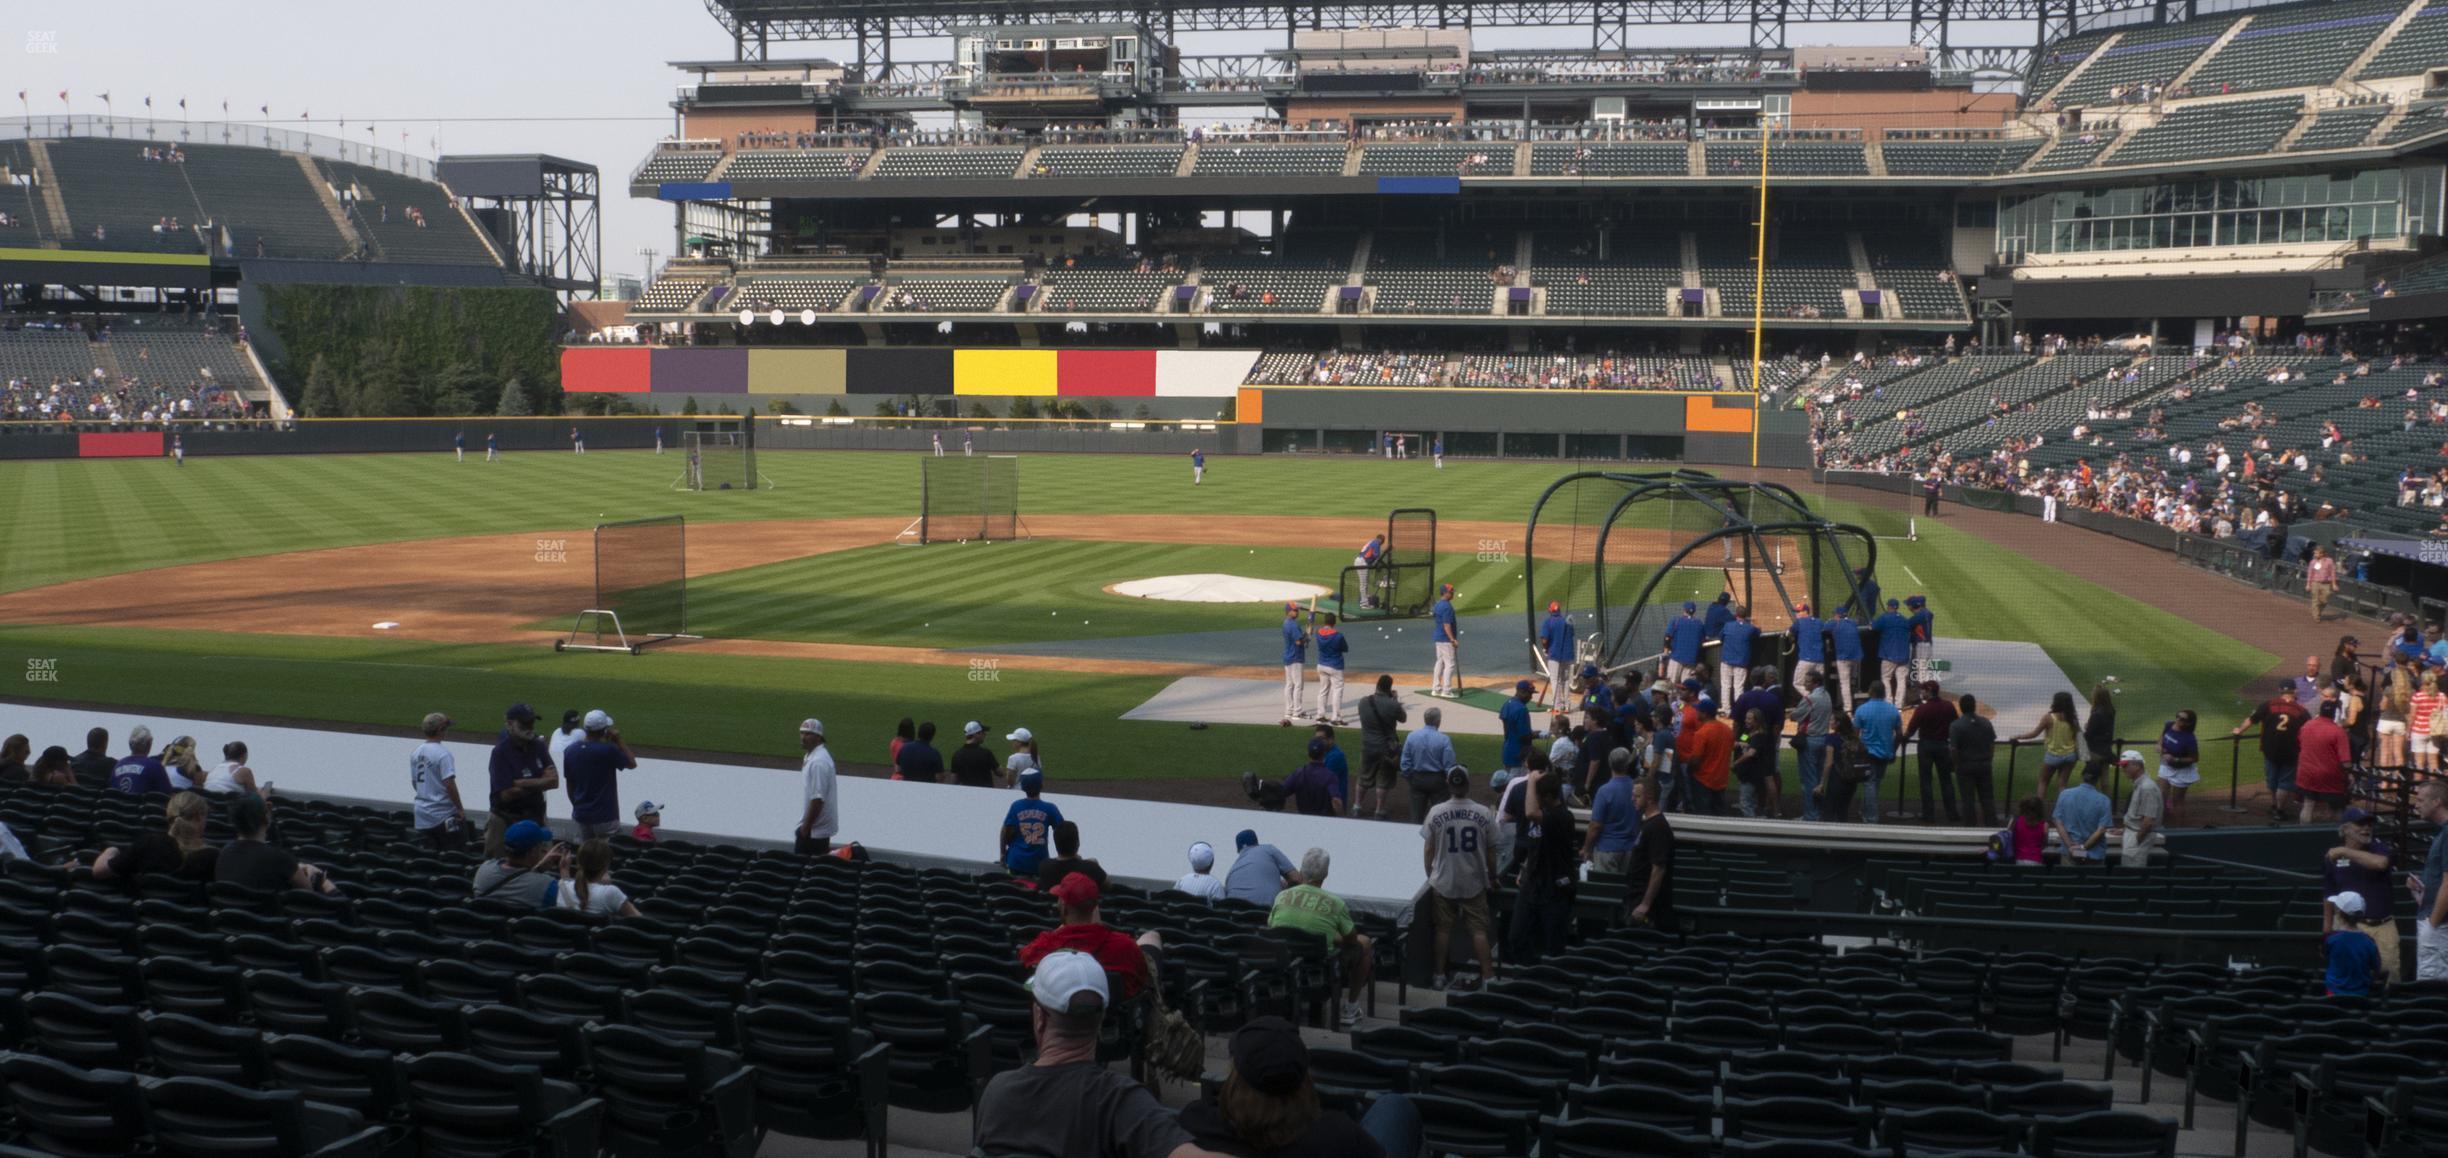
x,y
1259,872
1735,644
1894,651
1515,715
1295,653
1683,636
1923,627
1809,643
1845,655
1556,643
1720,613
521,772
1445,677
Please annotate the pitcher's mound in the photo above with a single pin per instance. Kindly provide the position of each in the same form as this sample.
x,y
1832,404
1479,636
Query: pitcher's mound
x,y
1217,589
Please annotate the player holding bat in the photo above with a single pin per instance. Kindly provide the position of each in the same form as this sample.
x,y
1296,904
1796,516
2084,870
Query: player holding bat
x,y
1295,652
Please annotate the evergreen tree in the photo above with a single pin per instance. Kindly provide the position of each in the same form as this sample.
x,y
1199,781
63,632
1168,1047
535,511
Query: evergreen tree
x,y
514,400
322,396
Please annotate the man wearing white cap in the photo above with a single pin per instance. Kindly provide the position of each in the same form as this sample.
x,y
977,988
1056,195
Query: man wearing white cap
x,y
1201,880
2145,811
2354,958
590,769
973,764
820,818
1065,1102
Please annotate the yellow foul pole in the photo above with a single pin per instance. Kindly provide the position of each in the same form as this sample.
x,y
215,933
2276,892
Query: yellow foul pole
x,y
1759,289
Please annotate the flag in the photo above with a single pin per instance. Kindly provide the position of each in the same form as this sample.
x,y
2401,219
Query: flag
x,y
148,100
182,104
264,109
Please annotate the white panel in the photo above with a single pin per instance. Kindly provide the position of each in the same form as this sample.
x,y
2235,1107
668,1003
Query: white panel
x,y
1202,373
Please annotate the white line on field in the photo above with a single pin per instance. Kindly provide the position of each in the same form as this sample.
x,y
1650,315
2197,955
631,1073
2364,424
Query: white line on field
x,y
350,662
1915,578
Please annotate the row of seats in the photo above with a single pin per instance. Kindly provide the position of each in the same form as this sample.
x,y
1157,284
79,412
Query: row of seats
x,y
2221,129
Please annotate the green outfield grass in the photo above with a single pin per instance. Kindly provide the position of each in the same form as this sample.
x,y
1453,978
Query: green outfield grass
x,y
74,519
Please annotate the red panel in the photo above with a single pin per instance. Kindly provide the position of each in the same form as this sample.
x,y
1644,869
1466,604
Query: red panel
x,y
1105,374
139,444
607,371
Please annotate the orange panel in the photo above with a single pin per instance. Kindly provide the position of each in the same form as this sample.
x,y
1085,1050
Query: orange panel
x,y
1703,413
1252,406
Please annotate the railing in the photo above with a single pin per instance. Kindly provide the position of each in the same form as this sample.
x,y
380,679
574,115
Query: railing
x,y
142,131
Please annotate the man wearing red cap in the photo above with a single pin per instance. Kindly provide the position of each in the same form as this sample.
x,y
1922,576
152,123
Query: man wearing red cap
x,y
1082,932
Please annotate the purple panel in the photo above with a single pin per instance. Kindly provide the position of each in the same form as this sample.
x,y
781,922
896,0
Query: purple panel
x,y
721,370
1870,297
1518,294
1352,292
1695,296
1184,293
720,292
1023,292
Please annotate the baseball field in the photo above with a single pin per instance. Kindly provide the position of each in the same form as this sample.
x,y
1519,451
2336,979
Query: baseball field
x,y
253,587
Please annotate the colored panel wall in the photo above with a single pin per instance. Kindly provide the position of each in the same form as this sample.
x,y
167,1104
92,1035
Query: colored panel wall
x,y
1250,410
1107,373
898,371
777,371
1202,373
694,191
587,370
1420,186
1016,373
1717,415
123,444
709,370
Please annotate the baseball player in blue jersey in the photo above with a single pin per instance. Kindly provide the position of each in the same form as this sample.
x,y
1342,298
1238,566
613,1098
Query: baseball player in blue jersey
x,y
1436,450
1894,651
1683,644
1445,678
1198,466
937,438
968,446
459,445
1366,561
1331,645
1923,628
1866,607
1734,650
1295,652
1844,636
492,446
658,440
1556,644
577,440
1810,644
178,450
1720,613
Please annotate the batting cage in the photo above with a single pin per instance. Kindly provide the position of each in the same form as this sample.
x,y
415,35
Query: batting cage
x,y
641,587
719,460
1621,553
969,497
1401,583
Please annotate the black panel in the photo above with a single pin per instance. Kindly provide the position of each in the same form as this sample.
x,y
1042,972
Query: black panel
x,y
2281,295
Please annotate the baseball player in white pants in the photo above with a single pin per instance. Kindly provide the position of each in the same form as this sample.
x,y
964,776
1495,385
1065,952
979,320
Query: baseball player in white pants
x,y
1445,678
1295,650
1331,648
1366,561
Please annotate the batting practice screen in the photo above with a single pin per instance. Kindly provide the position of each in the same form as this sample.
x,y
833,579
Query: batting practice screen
x,y
1403,583
641,575
719,460
970,497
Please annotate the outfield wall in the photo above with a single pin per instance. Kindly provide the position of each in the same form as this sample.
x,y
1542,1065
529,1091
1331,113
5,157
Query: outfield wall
x,y
899,371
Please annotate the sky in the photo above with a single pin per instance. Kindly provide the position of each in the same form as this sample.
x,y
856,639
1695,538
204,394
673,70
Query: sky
x,y
584,79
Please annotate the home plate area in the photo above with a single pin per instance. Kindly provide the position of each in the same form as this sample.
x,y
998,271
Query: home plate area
x,y
2014,681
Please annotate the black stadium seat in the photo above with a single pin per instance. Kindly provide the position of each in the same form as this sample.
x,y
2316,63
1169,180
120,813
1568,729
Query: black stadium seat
x,y
468,1106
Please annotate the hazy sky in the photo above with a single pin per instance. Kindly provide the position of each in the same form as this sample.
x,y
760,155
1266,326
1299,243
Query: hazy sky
x,y
583,79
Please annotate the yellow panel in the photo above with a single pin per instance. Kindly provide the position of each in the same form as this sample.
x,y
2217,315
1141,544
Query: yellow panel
x,y
781,371
1028,373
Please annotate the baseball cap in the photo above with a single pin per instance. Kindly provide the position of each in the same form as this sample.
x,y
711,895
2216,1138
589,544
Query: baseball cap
x,y
1915,601
1589,669
1032,778
1076,890
1692,684
520,712
1688,605
2286,687
1662,687
972,728
1707,704
1202,856
811,726
1728,597
2130,756
598,720
524,835
436,721
1245,838
2349,903
1268,1054
1521,685
1020,736
2357,816
647,808
1891,604
1291,606
1447,588
1062,976
569,719
1552,605
1317,747
1458,776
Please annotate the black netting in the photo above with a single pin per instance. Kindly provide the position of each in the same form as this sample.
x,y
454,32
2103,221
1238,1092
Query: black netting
x,y
719,460
970,497
641,575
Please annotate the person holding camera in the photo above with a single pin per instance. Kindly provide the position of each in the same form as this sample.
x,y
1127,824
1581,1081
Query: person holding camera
x,y
529,870
591,769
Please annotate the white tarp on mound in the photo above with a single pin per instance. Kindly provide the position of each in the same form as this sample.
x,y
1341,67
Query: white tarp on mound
x,y
1212,588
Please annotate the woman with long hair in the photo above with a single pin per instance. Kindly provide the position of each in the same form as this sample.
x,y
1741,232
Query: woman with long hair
x,y
13,754
2099,731
2179,762
2059,733
53,768
1268,1105
2028,832
180,851
903,733
586,883
2396,706
179,762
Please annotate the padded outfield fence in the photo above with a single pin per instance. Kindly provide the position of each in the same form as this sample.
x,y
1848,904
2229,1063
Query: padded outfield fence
x,y
641,586
962,497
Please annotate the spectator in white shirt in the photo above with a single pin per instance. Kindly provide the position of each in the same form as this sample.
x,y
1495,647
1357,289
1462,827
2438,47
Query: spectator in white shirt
x,y
821,820
233,775
570,733
1201,880
586,883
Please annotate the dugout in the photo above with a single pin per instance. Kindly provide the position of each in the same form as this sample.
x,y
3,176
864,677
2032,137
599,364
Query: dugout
x,y
1620,552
